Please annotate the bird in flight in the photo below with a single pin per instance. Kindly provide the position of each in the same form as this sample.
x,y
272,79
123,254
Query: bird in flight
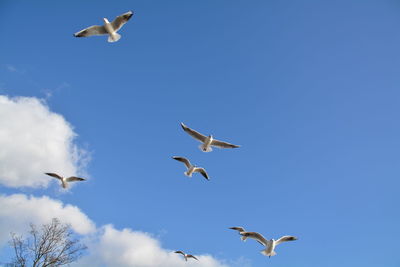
x,y
109,28
186,256
191,168
65,180
269,244
207,141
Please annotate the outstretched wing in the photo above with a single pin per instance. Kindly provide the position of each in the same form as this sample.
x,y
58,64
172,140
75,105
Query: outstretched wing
x,y
90,31
74,179
202,171
193,133
285,239
258,237
191,256
121,20
240,229
180,252
221,144
55,175
184,160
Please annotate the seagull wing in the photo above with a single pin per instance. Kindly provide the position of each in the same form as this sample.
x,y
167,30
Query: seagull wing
x,y
193,133
240,229
184,160
191,256
221,144
74,179
92,30
202,171
55,175
285,239
258,237
121,20
180,252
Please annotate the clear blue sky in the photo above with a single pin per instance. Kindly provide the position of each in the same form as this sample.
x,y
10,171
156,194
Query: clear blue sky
x,y
310,89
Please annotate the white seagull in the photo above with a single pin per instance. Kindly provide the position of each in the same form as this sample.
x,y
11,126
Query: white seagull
x,y
65,180
207,141
191,168
269,244
186,256
109,28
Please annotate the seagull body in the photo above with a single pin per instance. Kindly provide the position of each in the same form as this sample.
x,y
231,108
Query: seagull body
x,y
269,244
109,28
207,141
191,168
65,180
186,256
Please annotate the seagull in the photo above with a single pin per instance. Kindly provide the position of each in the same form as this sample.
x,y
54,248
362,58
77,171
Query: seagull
x,y
269,244
186,256
109,28
207,141
64,180
191,168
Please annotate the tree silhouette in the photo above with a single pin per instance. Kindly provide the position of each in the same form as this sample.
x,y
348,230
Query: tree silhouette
x,y
51,245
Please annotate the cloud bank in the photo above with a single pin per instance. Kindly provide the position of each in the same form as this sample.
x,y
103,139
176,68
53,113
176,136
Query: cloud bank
x,y
107,246
34,140
128,248
18,211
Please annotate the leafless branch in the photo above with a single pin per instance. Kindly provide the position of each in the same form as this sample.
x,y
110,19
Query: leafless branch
x,y
53,245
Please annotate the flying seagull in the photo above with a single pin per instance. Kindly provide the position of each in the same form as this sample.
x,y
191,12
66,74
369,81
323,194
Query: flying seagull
x,y
207,141
191,168
64,180
186,256
109,28
269,244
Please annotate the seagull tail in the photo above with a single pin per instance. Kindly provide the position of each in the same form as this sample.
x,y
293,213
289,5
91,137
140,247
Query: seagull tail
x,y
188,175
114,37
204,148
268,253
243,237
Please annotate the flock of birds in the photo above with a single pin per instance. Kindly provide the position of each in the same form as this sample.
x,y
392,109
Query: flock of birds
x,y
207,143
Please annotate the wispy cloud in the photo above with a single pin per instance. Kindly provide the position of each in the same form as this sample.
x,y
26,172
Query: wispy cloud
x,y
48,93
11,68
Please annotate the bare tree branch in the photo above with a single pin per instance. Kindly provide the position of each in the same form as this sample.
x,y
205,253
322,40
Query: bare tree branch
x,y
53,245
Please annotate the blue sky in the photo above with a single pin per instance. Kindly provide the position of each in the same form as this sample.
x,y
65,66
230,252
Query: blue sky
x,y
310,89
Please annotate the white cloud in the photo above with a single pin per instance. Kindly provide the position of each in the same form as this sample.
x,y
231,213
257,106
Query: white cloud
x,y
34,140
18,211
127,248
11,68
